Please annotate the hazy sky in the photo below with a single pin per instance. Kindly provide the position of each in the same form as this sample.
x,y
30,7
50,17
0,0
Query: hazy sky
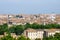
x,y
29,6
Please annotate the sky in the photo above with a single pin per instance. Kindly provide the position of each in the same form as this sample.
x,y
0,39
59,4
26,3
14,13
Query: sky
x,y
29,6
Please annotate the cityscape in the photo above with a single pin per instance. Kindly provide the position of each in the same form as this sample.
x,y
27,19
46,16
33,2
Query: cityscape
x,y
30,26
29,19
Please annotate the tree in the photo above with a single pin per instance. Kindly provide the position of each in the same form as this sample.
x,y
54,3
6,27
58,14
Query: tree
x,y
3,28
19,29
8,37
45,38
57,36
35,26
28,39
21,38
27,25
37,39
12,29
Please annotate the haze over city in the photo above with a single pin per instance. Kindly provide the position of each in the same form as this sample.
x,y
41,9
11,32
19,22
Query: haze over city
x,y
29,19
29,6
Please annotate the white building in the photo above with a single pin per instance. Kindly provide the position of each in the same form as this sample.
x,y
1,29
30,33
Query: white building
x,y
39,33
33,34
51,32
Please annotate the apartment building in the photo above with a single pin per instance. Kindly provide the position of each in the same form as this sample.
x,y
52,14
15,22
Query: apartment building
x,y
33,34
51,32
39,33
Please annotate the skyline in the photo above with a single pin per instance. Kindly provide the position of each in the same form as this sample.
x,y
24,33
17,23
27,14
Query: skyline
x,y
29,6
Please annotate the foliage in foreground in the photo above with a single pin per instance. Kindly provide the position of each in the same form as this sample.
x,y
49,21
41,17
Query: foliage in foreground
x,y
55,37
8,37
